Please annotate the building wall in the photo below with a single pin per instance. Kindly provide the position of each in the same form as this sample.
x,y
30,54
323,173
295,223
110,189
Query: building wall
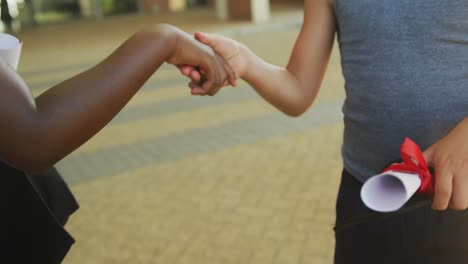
x,y
287,1
212,2
164,5
236,9
152,5
240,9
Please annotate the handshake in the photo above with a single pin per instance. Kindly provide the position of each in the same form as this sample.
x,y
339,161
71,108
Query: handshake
x,y
210,61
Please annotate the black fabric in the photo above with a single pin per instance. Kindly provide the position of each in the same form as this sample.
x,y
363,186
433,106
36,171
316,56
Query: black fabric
x,y
55,193
415,234
30,232
5,12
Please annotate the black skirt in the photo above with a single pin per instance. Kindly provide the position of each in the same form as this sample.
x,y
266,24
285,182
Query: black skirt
x,y
33,211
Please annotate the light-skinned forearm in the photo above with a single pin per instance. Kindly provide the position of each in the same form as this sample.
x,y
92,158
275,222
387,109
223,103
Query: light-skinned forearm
x,y
294,88
282,87
276,85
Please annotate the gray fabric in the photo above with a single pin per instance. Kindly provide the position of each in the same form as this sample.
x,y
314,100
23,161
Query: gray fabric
x,y
405,64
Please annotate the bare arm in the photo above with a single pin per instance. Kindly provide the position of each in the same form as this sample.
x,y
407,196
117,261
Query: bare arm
x,y
294,88
37,133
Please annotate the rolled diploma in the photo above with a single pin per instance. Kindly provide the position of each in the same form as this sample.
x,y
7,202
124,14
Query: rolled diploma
x,y
10,49
389,191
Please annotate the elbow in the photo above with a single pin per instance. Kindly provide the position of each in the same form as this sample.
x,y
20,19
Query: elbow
x,y
30,146
32,164
295,111
38,167
298,105
39,158
31,156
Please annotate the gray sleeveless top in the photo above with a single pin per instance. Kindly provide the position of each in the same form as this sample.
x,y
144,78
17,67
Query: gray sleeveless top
x,y
405,64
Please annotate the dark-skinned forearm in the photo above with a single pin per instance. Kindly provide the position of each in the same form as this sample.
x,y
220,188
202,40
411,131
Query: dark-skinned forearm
x,y
70,113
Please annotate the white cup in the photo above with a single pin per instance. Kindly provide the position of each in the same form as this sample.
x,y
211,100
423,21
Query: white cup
x,y
10,49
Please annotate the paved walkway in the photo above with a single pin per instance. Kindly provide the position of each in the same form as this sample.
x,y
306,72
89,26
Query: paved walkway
x,y
178,179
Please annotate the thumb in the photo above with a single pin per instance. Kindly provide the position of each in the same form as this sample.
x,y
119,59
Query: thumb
x,y
205,38
429,154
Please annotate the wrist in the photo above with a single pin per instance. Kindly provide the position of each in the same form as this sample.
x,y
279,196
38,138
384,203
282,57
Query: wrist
x,y
166,34
251,63
247,58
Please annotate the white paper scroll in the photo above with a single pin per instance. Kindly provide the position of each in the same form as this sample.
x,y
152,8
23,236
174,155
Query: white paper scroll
x,y
10,49
389,191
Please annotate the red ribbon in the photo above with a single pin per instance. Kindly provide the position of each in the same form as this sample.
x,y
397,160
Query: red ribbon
x,y
414,162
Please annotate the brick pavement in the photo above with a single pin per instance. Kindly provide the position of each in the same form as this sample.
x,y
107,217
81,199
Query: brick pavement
x,y
177,179
266,202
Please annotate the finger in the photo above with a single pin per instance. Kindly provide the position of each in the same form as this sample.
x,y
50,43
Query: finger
x,y
443,187
195,76
233,77
185,69
215,90
207,39
195,89
191,72
199,92
229,70
194,85
428,155
212,75
225,72
222,74
459,199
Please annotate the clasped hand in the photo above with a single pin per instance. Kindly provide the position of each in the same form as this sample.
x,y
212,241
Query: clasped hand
x,y
211,69
227,62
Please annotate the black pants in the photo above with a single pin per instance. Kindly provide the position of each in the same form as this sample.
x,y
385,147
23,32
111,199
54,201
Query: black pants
x,y
415,234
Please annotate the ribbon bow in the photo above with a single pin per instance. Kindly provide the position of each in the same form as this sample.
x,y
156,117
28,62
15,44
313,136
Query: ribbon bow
x,y
414,162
